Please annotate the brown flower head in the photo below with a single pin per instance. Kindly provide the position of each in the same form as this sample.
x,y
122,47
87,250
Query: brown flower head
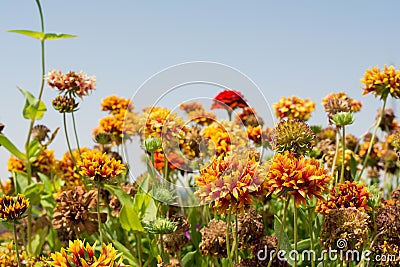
x,y
351,142
303,178
293,136
349,224
336,105
250,227
388,221
64,104
266,245
213,242
72,83
249,117
13,208
328,133
347,195
230,100
353,104
382,83
177,240
395,196
387,119
74,214
40,132
294,108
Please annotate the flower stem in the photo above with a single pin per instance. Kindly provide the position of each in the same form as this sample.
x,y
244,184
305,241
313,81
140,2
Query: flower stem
x,y
139,248
280,232
76,134
98,212
310,218
371,143
295,234
343,153
236,246
162,248
228,232
67,139
336,153
16,244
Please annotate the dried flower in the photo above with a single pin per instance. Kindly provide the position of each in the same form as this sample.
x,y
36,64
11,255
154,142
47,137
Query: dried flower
x,y
303,178
294,108
382,83
249,117
386,252
250,227
114,104
98,166
262,252
77,254
72,83
388,221
353,104
230,183
387,119
395,195
349,194
349,224
64,104
40,132
74,214
13,208
177,240
213,241
293,136
229,99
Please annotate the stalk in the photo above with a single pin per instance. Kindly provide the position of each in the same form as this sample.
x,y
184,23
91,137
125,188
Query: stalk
x,y
139,248
76,134
373,137
343,153
280,232
228,230
98,212
295,234
16,244
67,139
336,153
310,220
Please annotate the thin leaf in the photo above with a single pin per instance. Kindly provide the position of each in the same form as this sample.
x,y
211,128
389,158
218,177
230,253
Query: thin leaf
x,y
34,192
353,166
7,144
285,243
126,253
34,108
188,258
122,196
29,33
43,36
57,36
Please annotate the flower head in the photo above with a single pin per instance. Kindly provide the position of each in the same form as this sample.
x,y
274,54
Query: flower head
x,y
249,117
340,102
40,132
229,99
114,104
65,169
65,104
294,108
160,226
213,241
13,208
98,166
303,178
388,221
72,83
382,83
292,135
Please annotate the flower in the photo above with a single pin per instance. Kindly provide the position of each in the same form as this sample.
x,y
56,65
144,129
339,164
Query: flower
x,y
45,164
387,119
66,169
177,240
255,134
388,221
40,132
299,177
160,226
262,251
292,135
383,251
197,113
353,104
382,83
74,214
213,240
349,224
78,254
13,208
98,166
230,183
250,227
152,144
229,99
249,117
72,83
294,108
114,104
348,194
64,104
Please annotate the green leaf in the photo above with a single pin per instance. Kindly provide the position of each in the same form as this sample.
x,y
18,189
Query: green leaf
x,y
29,33
33,150
129,219
188,258
33,192
38,240
127,255
353,166
33,109
43,36
57,36
4,141
285,243
122,196
21,179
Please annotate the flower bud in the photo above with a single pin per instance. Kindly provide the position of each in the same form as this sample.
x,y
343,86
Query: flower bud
x,y
152,144
342,118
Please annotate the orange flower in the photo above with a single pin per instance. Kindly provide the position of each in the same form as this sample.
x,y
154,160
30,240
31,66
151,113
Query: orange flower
x,y
114,104
231,183
174,160
355,106
98,166
65,168
229,99
299,177
349,194
294,108
382,83
255,134
45,163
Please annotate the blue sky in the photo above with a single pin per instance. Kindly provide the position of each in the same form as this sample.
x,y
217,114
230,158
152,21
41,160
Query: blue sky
x,y
303,48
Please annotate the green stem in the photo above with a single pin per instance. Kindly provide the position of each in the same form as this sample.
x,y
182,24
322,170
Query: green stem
x,y
336,153
228,232
139,248
67,139
98,212
76,134
343,153
371,143
295,234
162,248
16,245
280,232
310,218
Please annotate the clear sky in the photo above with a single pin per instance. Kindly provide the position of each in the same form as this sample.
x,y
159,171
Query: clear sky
x,y
303,48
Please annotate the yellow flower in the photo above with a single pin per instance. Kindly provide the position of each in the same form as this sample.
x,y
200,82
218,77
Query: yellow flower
x,y
12,208
45,163
303,178
98,166
294,108
114,104
65,168
382,83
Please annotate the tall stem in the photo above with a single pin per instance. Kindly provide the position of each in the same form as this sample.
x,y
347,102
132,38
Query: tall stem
x,y
371,143
235,248
336,153
139,248
280,232
16,244
343,153
295,234
228,232
98,212
310,221
76,134
162,248
67,139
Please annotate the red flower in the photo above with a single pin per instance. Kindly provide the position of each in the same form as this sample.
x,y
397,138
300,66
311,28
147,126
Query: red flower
x,y
232,99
